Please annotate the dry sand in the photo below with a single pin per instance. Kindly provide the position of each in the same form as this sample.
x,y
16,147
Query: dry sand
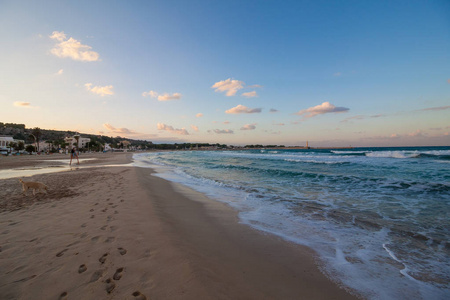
x,y
117,232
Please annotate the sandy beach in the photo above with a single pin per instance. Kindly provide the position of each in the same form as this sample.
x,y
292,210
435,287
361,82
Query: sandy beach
x,y
109,230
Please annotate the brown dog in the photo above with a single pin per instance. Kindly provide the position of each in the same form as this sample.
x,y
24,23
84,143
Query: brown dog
x,y
32,185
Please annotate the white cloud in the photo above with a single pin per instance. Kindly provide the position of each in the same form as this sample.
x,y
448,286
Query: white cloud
x,y
100,90
59,36
226,122
229,86
72,48
250,94
199,115
163,97
323,108
22,104
279,124
60,72
168,97
337,74
152,94
255,86
195,128
241,109
224,131
162,126
115,130
249,127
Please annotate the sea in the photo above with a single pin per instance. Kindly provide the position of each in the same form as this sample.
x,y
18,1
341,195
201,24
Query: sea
x,y
378,218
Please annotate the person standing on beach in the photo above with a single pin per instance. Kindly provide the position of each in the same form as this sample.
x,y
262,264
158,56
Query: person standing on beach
x,y
73,154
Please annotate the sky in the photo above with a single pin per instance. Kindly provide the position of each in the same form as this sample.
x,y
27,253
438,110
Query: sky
x,y
333,73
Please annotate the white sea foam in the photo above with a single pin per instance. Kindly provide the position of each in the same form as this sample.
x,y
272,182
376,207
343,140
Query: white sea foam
x,y
393,154
348,152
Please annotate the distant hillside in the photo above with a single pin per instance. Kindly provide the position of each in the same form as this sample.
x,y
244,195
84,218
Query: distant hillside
x,y
20,132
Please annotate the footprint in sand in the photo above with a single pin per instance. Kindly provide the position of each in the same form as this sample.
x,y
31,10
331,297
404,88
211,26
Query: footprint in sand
x,y
95,238
122,251
97,275
25,279
96,203
91,210
83,225
93,216
109,218
63,296
118,274
139,296
60,253
110,285
110,239
103,258
103,227
82,269
104,210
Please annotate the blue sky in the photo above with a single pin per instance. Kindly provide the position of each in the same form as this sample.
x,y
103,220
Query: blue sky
x,y
335,73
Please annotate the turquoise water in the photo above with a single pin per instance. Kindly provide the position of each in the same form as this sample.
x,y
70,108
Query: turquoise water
x,y
377,217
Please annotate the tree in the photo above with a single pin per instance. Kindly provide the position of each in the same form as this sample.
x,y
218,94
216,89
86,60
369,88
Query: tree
x,y
77,137
12,145
19,146
36,133
30,148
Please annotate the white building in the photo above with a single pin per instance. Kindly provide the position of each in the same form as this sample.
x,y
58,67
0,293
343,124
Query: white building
x,y
72,141
4,142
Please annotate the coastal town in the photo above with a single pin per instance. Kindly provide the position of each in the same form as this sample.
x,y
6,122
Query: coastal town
x,y
15,139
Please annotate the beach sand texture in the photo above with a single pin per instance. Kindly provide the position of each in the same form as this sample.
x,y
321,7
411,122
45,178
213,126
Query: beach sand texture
x,y
117,232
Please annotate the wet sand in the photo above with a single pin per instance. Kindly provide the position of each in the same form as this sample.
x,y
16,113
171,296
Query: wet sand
x,y
118,232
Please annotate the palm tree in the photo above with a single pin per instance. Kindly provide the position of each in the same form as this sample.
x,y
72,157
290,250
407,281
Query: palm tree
x,y
36,133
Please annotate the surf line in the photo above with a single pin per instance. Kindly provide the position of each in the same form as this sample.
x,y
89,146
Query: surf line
x,y
403,271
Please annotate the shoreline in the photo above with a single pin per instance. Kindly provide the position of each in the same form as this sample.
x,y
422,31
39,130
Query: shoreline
x,y
178,243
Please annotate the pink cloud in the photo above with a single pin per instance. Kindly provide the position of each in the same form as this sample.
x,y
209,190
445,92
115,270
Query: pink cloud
x,y
248,127
229,86
162,126
224,131
323,108
241,109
